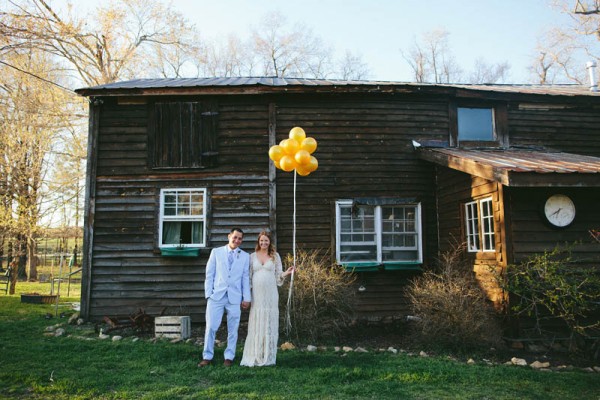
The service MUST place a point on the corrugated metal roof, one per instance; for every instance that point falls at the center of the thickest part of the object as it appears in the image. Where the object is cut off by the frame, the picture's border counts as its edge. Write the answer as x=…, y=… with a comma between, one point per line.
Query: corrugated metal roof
x=514, y=167
x=274, y=82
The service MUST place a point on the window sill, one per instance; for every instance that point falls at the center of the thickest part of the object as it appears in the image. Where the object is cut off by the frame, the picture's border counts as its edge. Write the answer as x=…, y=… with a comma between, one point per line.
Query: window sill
x=406, y=266
x=185, y=252
x=373, y=266
x=361, y=266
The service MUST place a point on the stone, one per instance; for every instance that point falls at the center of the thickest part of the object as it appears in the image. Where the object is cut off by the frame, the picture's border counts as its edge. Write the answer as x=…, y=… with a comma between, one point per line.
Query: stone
x=80, y=321
x=518, y=361
x=311, y=348
x=470, y=361
x=392, y=350
x=59, y=332
x=361, y=350
x=116, y=338
x=73, y=318
x=537, y=364
x=103, y=336
x=337, y=349
x=346, y=349
x=287, y=346
x=423, y=354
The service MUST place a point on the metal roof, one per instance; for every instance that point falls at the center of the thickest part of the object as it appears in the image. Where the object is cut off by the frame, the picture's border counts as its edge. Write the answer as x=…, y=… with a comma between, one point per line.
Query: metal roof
x=520, y=167
x=149, y=86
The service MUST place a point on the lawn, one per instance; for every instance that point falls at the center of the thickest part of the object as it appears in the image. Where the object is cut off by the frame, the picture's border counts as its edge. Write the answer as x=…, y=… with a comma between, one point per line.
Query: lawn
x=78, y=365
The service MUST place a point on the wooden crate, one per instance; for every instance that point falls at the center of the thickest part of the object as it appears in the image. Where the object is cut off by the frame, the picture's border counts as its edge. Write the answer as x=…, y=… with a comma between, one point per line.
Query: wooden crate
x=172, y=327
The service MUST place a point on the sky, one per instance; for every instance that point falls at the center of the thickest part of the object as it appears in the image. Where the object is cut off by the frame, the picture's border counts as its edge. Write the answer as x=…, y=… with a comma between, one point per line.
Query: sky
x=378, y=30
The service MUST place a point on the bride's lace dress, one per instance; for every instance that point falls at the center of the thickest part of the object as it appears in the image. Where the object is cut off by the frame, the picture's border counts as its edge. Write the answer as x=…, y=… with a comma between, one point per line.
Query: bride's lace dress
x=260, y=348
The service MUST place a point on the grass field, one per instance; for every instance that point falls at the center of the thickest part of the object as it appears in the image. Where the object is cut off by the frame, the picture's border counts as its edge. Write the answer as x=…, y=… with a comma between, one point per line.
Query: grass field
x=78, y=365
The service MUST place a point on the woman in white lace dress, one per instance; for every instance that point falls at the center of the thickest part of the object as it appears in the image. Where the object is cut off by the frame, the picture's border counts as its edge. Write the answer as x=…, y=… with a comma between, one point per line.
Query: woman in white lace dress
x=266, y=273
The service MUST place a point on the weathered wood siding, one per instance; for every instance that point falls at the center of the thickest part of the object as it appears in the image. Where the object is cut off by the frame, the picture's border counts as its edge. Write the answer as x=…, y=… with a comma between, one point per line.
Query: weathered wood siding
x=127, y=270
x=364, y=150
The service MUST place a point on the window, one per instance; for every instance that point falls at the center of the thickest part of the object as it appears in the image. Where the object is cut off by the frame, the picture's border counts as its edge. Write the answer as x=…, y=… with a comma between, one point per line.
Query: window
x=379, y=234
x=183, y=135
x=476, y=124
x=479, y=222
x=182, y=218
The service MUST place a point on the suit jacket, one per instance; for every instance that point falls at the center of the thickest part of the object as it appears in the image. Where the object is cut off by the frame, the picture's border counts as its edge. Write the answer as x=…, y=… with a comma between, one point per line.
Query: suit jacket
x=220, y=280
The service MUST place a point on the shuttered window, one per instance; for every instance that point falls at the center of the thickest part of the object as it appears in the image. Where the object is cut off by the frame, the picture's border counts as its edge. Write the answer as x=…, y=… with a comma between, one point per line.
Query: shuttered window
x=183, y=135
x=479, y=224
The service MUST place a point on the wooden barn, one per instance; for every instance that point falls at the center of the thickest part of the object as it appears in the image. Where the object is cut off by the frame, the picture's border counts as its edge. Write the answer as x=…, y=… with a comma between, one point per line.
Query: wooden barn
x=405, y=172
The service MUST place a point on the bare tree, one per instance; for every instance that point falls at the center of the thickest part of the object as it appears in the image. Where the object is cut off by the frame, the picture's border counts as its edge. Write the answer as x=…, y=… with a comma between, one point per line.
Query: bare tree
x=292, y=52
x=352, y=67
x=431, y=59
x=489, y=73
x=563, y=50
x=120, y=40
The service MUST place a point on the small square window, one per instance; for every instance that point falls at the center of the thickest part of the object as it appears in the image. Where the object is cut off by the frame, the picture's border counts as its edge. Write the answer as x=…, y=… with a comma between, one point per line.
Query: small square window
x=476, y=124
x=182, y=218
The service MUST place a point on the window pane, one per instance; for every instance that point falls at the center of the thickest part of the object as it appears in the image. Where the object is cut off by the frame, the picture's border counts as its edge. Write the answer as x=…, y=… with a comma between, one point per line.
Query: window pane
x=475, y=124
x=182, y=217
x=472, y=226
x=357, y=234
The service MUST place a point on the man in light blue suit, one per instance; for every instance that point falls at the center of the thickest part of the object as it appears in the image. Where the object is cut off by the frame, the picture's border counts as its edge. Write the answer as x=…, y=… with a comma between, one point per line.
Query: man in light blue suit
x=227, y=285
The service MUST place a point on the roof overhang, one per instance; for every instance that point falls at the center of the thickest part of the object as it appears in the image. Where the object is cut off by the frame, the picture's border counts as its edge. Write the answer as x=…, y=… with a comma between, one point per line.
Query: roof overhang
x=519, y=168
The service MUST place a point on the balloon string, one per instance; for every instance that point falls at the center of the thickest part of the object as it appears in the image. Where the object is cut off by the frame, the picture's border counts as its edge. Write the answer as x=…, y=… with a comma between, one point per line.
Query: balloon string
x=288, y=318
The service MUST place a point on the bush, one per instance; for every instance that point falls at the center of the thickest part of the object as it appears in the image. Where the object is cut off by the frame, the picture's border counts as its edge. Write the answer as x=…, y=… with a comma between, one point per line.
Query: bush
x=551, y=286
x=451, y=309
x=322, y=301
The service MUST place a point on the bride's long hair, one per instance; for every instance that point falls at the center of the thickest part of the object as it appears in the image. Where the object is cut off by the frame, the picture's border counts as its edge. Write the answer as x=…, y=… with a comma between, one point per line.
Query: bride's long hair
x=271, y=248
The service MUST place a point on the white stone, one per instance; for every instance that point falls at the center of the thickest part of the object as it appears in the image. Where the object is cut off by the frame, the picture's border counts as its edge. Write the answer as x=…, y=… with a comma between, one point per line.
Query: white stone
x=337, y=349
x=135, y=339
x=423, y=354
x=518, y=361
x=470, y=361
x=537, y=364
x=361, y=350
x=59, y=332
x=347, y=349
x=116, y=338
x=311, y=348
x=597, y=369
x=392, y=350
x=103, y=336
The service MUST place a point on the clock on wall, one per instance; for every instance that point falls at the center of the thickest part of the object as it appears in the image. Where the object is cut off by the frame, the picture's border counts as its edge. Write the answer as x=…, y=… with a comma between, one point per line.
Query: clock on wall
x=559, y=210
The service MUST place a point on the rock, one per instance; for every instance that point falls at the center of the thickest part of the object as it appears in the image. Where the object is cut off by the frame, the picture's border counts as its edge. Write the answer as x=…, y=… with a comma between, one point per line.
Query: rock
x=361, y=350
x=588, y=369
x=392, y=350
x=346, y=349
x=116, y=338
x=59, y=332
x=423, y=354
x=80, y=321
x=470, y=361
x=311, y=348
x=597, y=369
x=73, y=318
x=518, y=361
x=103, y=336
x=337, y=349
x=176, y=340
x=537, y=364
x=135, y=339
x=287, y=346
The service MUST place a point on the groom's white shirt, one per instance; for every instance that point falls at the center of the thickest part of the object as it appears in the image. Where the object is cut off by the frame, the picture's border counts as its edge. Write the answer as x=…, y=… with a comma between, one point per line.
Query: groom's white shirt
x=221, y=280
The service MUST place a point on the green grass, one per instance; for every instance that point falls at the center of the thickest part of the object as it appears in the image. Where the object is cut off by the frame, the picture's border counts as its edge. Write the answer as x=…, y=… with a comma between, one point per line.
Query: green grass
x=34, y=366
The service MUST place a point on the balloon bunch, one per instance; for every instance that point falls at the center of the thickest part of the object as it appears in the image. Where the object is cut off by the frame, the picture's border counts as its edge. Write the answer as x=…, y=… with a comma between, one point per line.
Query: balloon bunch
x=295, y=153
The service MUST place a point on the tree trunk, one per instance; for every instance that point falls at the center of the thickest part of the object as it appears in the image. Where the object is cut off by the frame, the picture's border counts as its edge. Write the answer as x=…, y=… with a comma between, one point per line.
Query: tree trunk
x=31, y=260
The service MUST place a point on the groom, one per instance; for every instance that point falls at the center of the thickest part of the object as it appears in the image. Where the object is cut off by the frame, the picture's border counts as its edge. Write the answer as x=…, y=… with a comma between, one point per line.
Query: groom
x=227, y=285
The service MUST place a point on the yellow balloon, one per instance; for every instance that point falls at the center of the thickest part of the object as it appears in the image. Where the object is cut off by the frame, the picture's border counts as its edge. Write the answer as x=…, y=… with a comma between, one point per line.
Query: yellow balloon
x=297, y=134
x=309, y=144
x=302, y=157
x=290, y=146
x=277, y=164
x=276, y=152
x=302, y=170
x=312, y=165
x=287, y=163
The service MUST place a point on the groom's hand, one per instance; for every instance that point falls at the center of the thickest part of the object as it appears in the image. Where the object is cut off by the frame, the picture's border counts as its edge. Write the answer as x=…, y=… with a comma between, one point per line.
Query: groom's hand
x=245, y=305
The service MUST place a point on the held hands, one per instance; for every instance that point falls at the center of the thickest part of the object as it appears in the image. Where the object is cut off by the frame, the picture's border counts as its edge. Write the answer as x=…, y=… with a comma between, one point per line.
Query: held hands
x=245, y=305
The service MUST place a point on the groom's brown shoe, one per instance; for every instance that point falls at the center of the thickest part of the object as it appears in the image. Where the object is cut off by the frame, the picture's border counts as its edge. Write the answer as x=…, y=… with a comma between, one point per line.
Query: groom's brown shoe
x=228, y=363
x=204, y=363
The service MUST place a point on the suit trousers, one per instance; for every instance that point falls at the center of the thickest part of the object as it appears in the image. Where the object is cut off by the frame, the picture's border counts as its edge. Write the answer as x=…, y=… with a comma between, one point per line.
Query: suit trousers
x=214, y=316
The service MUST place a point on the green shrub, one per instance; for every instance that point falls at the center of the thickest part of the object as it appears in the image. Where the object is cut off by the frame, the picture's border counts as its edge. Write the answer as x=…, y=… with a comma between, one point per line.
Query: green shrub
x=322, y=301
x=451, y=310
x=552, y=286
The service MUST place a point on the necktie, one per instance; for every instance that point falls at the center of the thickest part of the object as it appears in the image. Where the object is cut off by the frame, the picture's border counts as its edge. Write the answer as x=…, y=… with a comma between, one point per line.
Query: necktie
x=230, y=258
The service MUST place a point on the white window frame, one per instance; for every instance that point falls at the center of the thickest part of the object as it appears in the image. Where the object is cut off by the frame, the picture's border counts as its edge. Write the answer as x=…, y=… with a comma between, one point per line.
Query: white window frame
x=379, y=234
x=480, y=229
x=184, y=218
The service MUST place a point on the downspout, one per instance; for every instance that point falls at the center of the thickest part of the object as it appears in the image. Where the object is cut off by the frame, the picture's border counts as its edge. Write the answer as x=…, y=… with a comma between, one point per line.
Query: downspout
x=591, y=67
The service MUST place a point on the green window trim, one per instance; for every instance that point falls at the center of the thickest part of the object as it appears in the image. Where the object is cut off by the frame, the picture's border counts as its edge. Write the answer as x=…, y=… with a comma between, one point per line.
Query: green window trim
x=175, y=252
x=374, y=266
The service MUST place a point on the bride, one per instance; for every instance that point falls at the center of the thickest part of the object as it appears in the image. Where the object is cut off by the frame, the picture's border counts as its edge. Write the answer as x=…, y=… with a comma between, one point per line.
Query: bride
x=266, y=273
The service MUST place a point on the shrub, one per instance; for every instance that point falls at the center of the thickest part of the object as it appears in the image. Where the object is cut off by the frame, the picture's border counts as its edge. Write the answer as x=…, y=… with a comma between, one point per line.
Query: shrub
x=552, y=286
x=451, y=309
x=322, y=301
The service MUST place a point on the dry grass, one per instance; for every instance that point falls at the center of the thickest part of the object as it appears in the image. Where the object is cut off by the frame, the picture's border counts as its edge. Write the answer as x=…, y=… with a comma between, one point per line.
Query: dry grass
x=452, y=309
x=322, y=301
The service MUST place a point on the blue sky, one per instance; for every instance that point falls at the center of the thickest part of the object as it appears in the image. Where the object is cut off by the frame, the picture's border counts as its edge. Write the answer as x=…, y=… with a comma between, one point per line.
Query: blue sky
x=494, y=30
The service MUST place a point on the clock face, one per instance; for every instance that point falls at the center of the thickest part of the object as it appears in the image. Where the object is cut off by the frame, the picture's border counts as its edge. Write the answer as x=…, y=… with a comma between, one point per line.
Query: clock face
x=559, y=210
